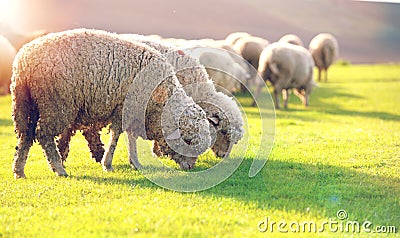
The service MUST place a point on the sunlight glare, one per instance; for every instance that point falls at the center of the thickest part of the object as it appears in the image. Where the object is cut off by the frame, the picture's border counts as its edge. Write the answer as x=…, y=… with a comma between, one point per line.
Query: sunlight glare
x=8, y=10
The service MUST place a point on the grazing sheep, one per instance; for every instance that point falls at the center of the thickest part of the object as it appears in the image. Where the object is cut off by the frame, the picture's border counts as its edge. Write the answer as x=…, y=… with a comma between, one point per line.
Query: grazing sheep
x=222, y=112
x=250, y=49
x=292, y=39
x=223, y=62
x=324, y=49
x=81, y=77
x=7, y=54
x=235, y=36
x=287, y=66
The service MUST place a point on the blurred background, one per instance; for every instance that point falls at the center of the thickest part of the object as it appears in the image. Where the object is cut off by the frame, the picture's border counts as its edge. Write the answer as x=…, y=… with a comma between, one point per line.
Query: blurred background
x=368, y=32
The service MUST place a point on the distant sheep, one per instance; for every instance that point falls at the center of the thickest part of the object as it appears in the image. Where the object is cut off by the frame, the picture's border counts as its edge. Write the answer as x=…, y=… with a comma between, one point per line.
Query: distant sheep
x=224, y=62
x=292, y=39
x=250, y=49
x=324, y=49
x=7, y=54
x=78, y=78
x=222, y=112
x=287, y=66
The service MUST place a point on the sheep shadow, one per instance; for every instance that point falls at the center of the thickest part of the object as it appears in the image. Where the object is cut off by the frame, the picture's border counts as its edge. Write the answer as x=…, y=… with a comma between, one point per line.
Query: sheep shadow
x=291, y=186
x=319, y=103
x=322, y=105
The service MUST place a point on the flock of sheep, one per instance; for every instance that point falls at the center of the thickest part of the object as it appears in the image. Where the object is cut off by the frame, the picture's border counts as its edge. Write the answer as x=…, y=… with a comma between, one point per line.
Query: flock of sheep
x=86, y=79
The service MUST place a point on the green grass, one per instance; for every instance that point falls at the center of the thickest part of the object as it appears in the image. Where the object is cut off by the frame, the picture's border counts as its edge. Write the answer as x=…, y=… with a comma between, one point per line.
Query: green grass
x=343, y=152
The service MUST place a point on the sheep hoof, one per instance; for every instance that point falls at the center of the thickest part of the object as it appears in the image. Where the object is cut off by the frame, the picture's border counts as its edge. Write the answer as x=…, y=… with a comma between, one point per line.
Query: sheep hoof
x=136, y=167
x=20, y=175
x=108, y=168
x=61, y=173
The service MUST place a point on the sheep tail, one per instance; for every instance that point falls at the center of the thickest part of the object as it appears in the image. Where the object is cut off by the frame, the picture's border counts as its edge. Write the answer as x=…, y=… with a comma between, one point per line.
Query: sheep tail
x=24, y=111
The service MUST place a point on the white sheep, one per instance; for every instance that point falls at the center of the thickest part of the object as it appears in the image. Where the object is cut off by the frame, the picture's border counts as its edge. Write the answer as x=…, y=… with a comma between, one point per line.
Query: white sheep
x=292, y=39
x=81, y=77
x=250, y=48
x=287, y=66
x=219, y=62
x=324, y=49
x=222, y=112
x=7, y=54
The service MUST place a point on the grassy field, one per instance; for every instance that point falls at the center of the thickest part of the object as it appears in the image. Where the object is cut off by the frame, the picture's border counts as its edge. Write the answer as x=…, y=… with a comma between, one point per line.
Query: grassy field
x=341, y=153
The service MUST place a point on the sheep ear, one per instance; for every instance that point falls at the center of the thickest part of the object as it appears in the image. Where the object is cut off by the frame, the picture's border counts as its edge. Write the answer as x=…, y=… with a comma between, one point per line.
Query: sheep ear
x=174, y=135
x=213, y=120
x=274, y=68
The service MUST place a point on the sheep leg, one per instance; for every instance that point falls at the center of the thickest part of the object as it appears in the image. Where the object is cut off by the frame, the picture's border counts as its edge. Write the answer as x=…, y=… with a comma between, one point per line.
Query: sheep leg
x=95, y=144
x=285, y=94
x=319, y=74
x=106, y=162
x=63, y=144
x=303, y=95
x=132, y=153
x=326, y=75
x=20, y=157
x=52, y=155
x=157, y=149
x=276, y=95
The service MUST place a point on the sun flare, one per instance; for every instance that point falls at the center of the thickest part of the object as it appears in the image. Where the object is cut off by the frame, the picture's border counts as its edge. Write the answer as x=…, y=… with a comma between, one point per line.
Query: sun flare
x=8, y=9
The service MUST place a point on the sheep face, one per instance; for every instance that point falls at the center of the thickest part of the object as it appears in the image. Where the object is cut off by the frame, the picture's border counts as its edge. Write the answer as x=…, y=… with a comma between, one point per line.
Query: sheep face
x=222, y=146
x=189, y=140
x=227, y=128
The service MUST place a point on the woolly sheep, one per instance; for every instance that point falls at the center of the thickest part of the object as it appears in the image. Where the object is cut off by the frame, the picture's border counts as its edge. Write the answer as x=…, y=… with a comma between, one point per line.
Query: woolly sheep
x=292, y=39
x=7, y=54
x=227, y=62
x=287, y=66
x=222, y=112
x=250, y=49
x=324, y=49
x=223, y=61
x=75, y=78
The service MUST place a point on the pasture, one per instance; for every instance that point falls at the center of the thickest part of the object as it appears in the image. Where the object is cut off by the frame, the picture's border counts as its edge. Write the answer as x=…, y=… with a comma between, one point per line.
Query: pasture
x=341, y=153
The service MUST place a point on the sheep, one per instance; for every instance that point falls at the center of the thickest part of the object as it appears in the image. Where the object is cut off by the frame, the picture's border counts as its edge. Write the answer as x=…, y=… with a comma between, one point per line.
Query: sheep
x=324, y=49
x=7, y=54
x=250, y=49
x=235, y=36
x=224, y=60
x=292, y=39
x=287, y=66
x=227, y=61
x=218, y=64
x=222, y=112
x=77, y=78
